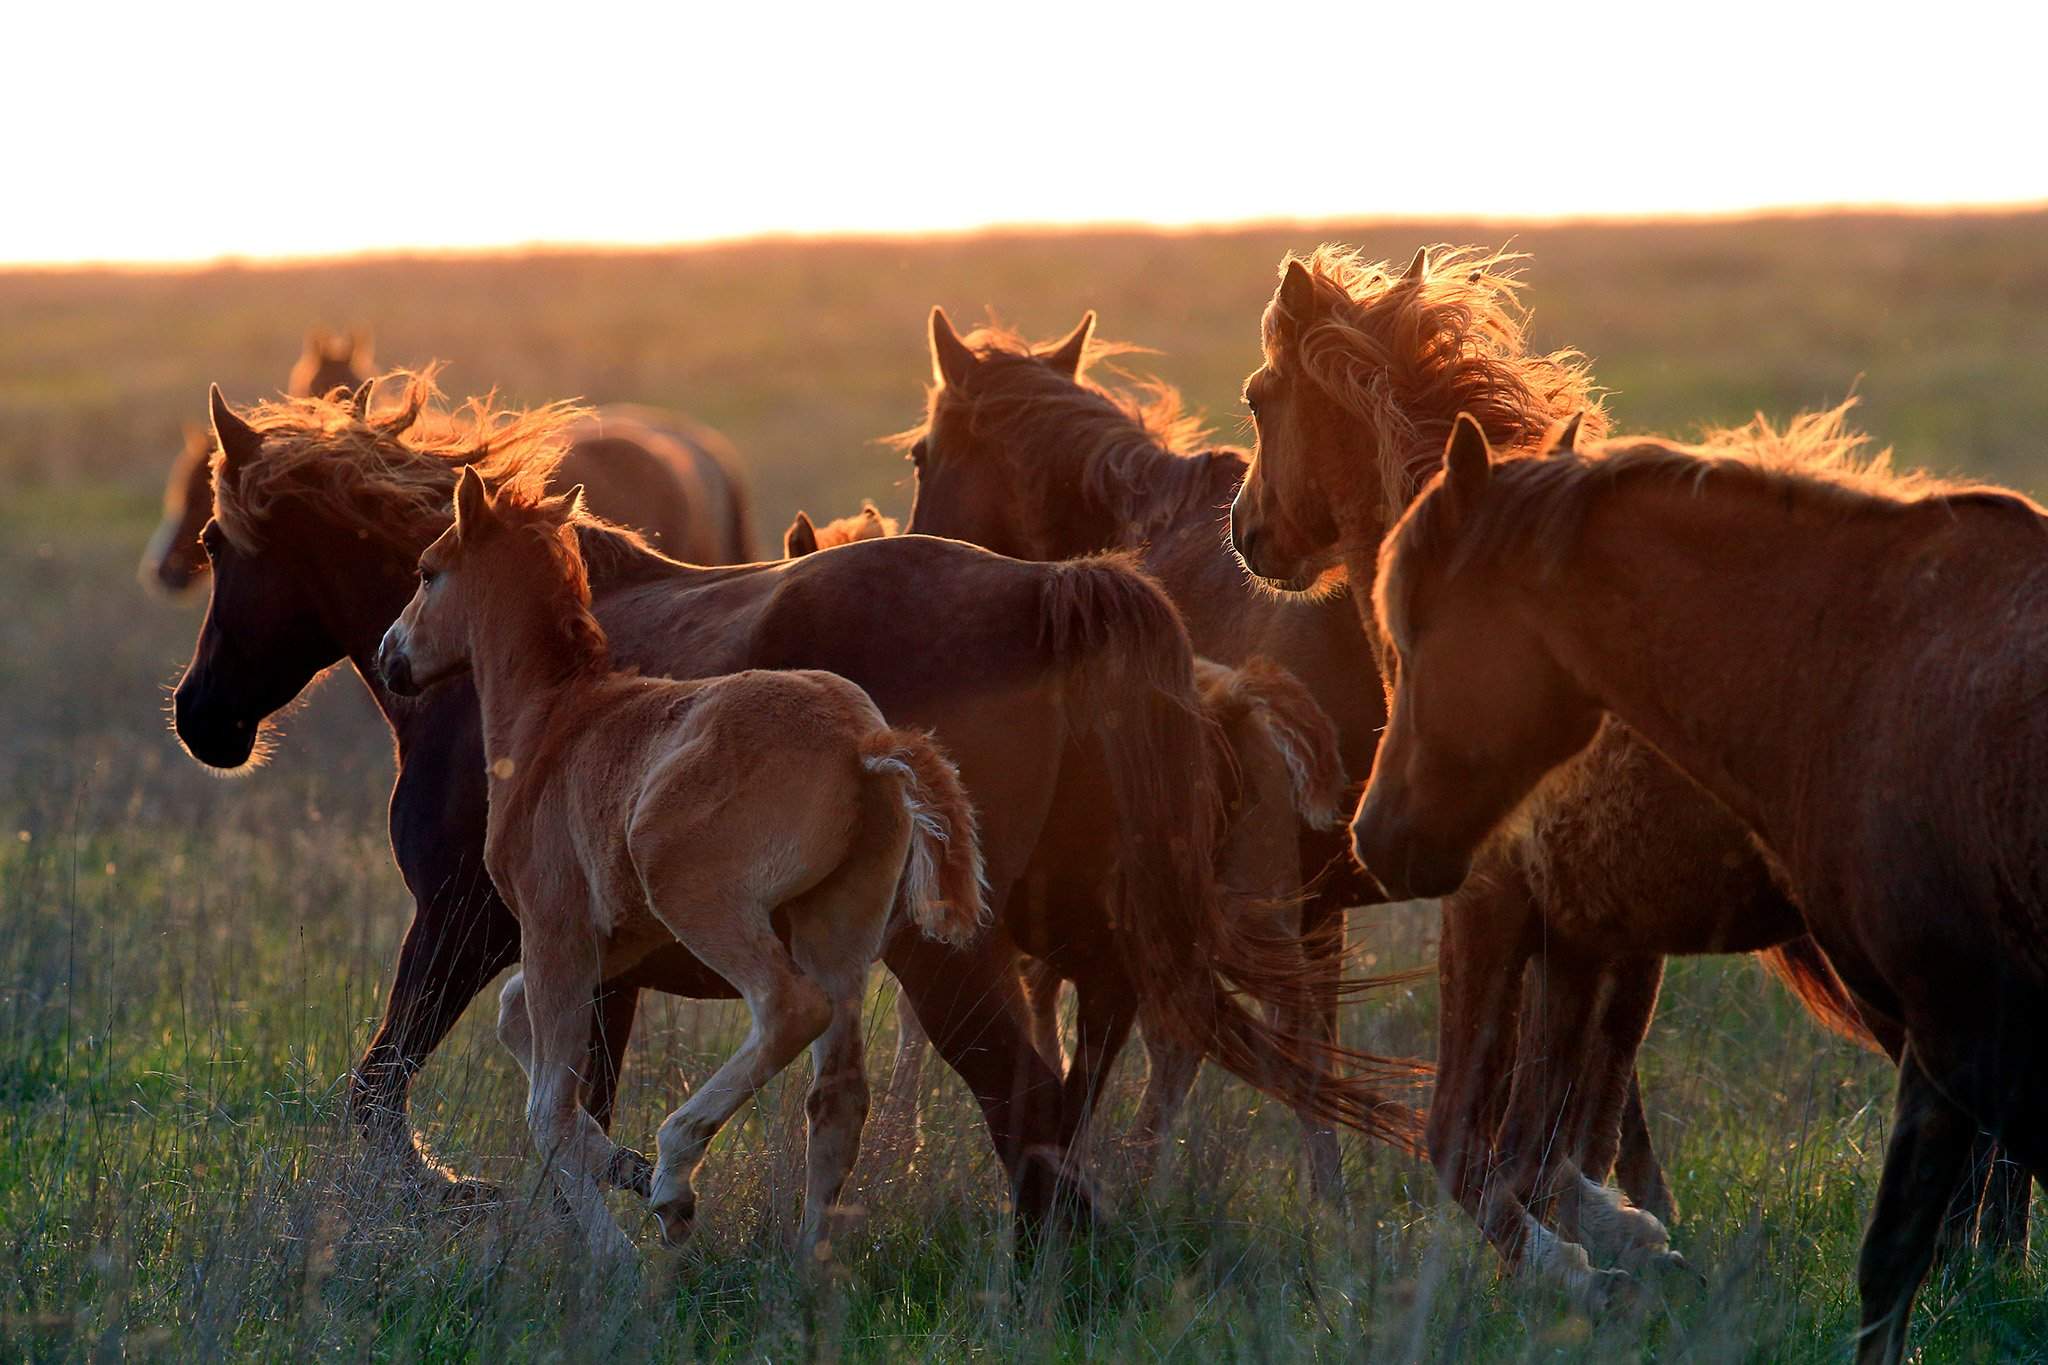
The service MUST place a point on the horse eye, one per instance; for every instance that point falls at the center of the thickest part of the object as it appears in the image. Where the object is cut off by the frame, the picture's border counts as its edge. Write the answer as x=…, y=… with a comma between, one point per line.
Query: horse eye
x=426, y=577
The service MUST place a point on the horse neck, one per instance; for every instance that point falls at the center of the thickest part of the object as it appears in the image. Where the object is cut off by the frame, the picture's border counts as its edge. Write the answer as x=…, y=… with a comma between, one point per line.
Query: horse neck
x=523, y=671
x=1726, y=630
x=1078, y=515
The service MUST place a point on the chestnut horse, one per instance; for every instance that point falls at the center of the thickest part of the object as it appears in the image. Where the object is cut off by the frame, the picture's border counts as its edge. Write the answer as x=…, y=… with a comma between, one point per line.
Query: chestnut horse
x=1825, y=604
x=674, y=480
x=717, y=808
x=1064, y=692
x=1021, y=452
x=1276, y=756
x=1365, y=369
x=172, y=561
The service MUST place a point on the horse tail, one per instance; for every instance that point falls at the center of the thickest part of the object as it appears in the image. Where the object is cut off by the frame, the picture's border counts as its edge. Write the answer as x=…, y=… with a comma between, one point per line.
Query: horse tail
x=944, y=887
x=1301, y=732
x=1193, y=962
x=1807, y=973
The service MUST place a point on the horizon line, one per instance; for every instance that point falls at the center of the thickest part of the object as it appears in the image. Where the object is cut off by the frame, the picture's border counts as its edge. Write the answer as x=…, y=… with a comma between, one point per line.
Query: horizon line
x=543, y=247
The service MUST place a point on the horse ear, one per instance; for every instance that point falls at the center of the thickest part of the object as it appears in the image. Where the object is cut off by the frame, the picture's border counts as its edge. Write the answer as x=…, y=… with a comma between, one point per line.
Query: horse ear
x=575, y=505
x=952, y=362
x=359, y=401
x=362, y=348
x=1566, y=442
x=472, y=504
x=801, y=538
x=1297, y=295
x=1418, y=267
x=238, y=441
x=1068, y=355
x=1468, y=464
x=316, y=341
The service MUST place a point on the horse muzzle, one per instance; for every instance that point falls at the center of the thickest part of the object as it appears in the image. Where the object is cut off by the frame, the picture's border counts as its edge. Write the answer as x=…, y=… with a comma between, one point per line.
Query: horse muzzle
x=394, y=666
x=225, y=744
x=1406, y=863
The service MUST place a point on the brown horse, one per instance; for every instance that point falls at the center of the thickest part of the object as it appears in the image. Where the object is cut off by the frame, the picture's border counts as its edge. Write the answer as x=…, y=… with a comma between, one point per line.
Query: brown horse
x=674, y=480
x=1064, y=692
x=720, y=807
x=172, y=561
x=1366, y=367
x=1825, y=603
x=1276, y=755
x=1020, y=451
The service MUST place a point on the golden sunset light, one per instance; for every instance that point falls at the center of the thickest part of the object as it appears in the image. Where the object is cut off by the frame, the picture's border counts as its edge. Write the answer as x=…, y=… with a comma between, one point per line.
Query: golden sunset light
x=264, y=131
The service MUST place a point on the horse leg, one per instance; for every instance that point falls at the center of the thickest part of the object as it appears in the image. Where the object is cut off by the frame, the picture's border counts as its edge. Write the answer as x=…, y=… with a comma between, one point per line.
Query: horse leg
x=617, y=1007
x=1625, y=999
x=560, y=985
x=1480, y=964
x=1169, y=1076
x=451, y=950
x=1042, y=983
x=835, y=932
x=789, y=1011
x=628, y=1169
x=971, y=1004
x=1638, y=1168
x=1928, y=1155
x=1104, y=1010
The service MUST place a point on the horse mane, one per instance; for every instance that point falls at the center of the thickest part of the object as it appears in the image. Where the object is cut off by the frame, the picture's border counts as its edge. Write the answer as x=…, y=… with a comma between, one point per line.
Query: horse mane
x=1110, y=446
x=390, y=475
x=1815, y=459
x=553, y=527
x=1405, y=353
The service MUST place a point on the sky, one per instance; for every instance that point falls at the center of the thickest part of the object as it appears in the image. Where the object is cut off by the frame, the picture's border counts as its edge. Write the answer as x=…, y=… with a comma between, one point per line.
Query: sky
x=192, y=133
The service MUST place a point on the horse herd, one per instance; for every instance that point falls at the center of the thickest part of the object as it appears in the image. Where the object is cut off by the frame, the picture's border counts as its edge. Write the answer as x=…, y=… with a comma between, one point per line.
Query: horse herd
x=1094, y=720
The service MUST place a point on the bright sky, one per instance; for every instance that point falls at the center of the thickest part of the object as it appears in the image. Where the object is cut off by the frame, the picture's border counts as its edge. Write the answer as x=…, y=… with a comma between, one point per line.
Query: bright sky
x=174, y=132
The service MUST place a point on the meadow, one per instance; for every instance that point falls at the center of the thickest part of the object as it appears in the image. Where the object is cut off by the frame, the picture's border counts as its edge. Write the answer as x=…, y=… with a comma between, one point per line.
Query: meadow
x=188, y=966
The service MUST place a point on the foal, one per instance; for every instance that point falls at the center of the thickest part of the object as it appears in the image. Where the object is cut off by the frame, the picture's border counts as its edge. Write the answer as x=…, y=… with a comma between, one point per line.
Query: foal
x=627, y=813
x=1823, y=610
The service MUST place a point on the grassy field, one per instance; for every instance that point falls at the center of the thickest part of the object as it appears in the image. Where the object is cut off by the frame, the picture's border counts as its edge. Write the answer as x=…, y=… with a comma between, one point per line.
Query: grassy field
x=188, y=966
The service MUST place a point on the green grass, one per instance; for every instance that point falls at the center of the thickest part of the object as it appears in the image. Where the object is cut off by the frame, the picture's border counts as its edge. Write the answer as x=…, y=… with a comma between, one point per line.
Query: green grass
x=188, y=966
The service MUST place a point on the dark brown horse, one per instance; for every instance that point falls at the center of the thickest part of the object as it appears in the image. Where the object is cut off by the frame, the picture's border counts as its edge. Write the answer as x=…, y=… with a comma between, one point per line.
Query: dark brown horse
x=1278, y=767
x=1021, y=452
x=1553, y=953
x=1064, y=693
x=172, y=561
x=1853, y=668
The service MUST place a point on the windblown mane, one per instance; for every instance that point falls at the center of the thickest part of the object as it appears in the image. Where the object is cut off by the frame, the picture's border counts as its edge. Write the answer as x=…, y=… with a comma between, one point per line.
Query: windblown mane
x=551, y=526
x=1407, y=354
x=1113, y=448
x=1815, y=458
x=389, y=475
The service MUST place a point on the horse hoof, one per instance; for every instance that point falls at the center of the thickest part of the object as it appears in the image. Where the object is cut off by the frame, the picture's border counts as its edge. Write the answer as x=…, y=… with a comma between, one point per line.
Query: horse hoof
x=630, y=1170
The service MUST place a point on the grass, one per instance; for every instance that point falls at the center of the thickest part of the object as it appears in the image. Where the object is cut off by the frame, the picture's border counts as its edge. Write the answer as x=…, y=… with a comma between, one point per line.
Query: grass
x=188, y=967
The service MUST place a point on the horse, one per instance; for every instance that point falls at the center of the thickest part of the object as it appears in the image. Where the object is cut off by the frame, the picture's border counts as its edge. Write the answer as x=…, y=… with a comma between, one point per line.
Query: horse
x=1365, y=368
x=672, y=479
x=1275, y=751
x=628, y=812
x=1022, y=452
x=172, y=562
x=1065, y=694
x=1915, y=837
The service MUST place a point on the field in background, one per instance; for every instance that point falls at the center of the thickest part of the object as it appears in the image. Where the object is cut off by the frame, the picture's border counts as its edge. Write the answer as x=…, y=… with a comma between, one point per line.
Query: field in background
x=188, y=966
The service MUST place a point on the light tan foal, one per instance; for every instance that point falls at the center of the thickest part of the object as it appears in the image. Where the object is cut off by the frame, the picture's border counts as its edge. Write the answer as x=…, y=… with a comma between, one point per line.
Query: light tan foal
x=628, y=812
